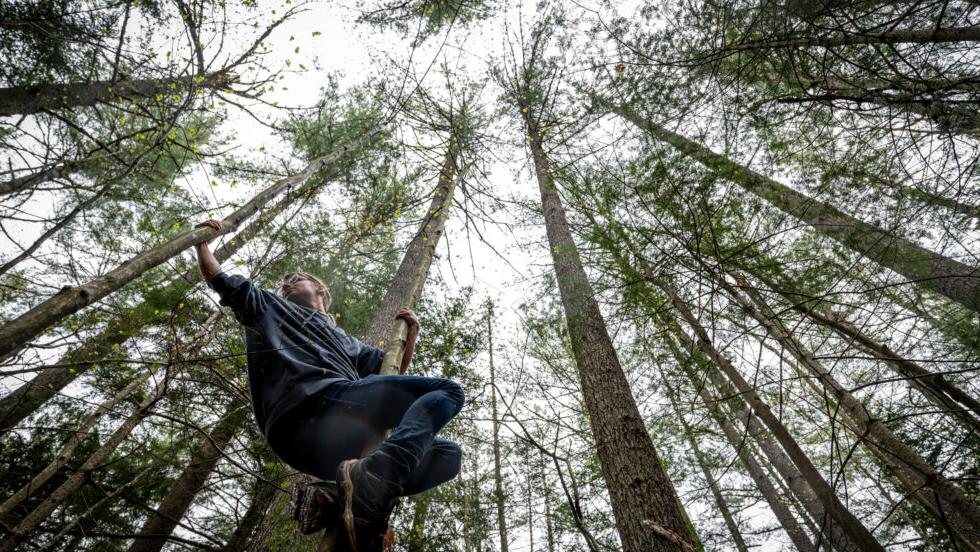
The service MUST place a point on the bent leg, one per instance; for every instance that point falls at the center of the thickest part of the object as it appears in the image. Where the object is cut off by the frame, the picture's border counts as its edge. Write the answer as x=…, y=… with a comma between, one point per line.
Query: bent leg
x=440, y=464
x=398, y=456
x=348, y=414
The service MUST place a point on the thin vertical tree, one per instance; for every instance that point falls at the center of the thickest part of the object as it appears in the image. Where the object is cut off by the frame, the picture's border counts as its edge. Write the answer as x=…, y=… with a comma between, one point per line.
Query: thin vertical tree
x=498, y=478
x=644, y=502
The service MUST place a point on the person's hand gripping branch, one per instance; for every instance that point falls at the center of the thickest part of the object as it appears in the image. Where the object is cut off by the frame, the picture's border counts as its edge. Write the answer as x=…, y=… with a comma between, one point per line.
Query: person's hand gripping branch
x=408, y=316
x=210, y=267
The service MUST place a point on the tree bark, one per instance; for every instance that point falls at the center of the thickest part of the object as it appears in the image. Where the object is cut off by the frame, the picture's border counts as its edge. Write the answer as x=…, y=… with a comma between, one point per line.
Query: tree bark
x=644, y=502
x=955, y=280
x=16, y=333
x=498, y=479
x=28, y=100
x=702, y=463
x=160, y=524
x=922, y=480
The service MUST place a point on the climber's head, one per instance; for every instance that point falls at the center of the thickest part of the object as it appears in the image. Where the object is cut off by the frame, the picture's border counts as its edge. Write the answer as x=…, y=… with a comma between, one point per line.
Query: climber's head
x=307, y=290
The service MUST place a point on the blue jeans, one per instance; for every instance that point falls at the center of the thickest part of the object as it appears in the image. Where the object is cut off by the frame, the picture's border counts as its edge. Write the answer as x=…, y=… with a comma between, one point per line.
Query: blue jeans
x=336, y=424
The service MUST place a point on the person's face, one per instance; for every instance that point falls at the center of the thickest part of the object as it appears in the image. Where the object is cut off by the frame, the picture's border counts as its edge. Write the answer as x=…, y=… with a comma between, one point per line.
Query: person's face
x=301, y=290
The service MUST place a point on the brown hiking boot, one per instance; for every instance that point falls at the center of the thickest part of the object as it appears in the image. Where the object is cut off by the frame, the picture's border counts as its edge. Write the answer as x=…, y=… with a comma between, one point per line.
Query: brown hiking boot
x=315, y=506
x=367, y=502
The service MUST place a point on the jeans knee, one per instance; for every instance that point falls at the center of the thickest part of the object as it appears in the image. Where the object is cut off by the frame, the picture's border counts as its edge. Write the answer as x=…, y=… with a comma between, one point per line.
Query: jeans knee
x=455, y=459
x=455, y=391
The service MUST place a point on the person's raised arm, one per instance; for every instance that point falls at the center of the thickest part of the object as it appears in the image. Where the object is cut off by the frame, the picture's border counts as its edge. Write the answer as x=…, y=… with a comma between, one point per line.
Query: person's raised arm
x=210, y=267
x=413, y=332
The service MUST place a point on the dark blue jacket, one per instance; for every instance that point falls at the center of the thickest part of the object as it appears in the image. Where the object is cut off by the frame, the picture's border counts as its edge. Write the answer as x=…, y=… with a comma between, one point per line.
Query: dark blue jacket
x=293, y=351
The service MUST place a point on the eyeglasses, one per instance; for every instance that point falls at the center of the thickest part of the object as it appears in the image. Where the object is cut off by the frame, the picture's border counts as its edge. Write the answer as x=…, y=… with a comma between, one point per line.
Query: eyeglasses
x=294, y=277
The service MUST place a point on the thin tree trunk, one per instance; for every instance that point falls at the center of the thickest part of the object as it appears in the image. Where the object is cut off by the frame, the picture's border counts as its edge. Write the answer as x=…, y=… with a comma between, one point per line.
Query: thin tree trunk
x=549, y=529
x=955, y=280
x=713, y=486
x=406, y=286
x=157, y=528
x=498, y=478
x=16, y=333
x=906, y=36
x=27, y=100
x=922, y=480
x=644, y=502
x=530, y=513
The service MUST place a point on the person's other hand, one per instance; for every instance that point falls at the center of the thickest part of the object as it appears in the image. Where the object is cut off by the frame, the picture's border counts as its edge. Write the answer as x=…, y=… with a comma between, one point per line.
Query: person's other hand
x=409, y=317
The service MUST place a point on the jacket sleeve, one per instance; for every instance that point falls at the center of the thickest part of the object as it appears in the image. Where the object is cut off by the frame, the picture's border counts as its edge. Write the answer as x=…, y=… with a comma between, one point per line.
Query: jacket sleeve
x=368, y=360
x=239, y=293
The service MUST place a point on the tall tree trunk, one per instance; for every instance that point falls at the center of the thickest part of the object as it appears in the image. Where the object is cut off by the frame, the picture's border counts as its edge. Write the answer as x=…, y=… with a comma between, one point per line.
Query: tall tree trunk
x=904, y=36
x=16, y=333
x=702, y=462
x=922, y=481
x=407, y=284
x=97, y=459
x=835, y=511
x=548, y=525
x=644, y=502
x=27, y=100
x=498, y=479
x=955, y=280
x=530, y=512
x=160, y=524
x=128, y=323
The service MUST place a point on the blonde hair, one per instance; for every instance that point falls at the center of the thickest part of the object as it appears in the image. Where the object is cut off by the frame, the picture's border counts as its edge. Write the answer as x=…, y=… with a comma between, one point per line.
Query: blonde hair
x=324, y=293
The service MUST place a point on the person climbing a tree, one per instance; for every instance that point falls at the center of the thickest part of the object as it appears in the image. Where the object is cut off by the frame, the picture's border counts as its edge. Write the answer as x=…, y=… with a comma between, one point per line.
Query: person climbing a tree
x=318, y=399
